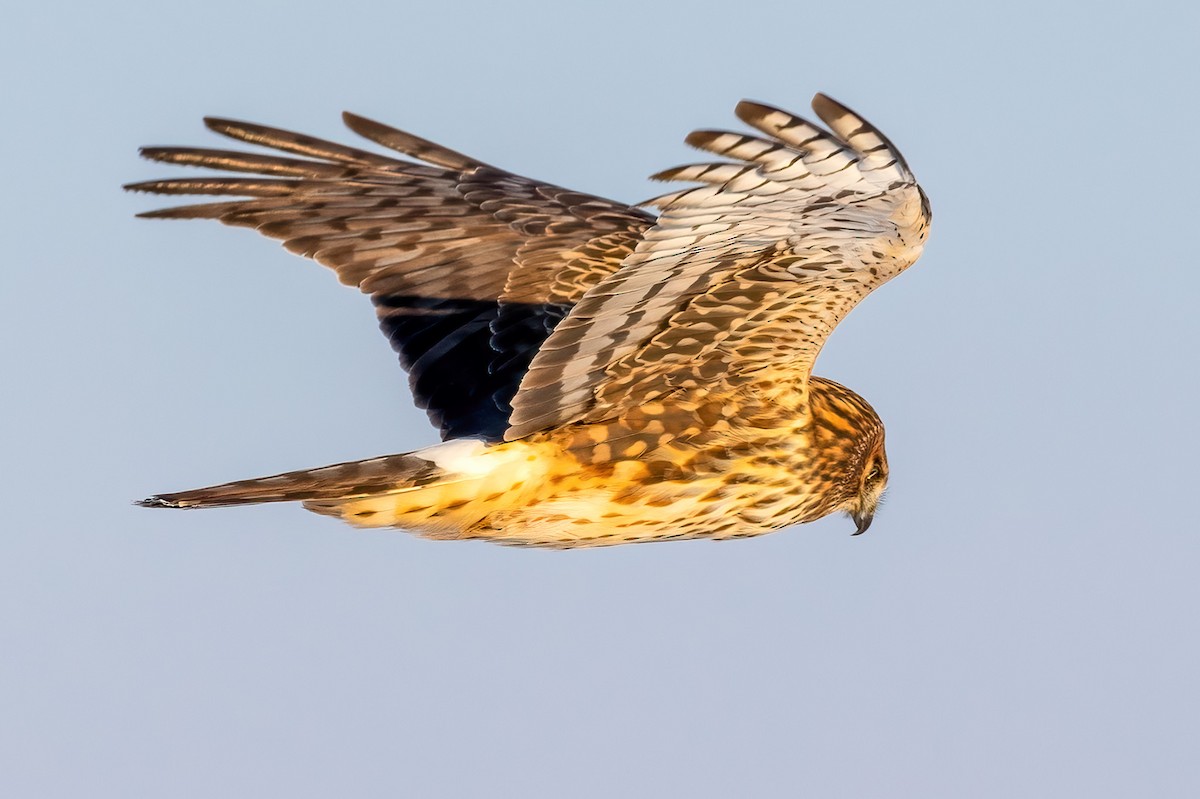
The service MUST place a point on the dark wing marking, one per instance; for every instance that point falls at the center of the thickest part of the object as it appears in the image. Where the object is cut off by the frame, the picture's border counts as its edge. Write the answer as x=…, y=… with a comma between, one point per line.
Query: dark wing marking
x=470, y=267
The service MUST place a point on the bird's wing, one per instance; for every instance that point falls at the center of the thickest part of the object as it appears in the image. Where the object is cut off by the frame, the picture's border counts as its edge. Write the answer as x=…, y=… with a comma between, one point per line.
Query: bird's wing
x=741, y=278
x=469, y=267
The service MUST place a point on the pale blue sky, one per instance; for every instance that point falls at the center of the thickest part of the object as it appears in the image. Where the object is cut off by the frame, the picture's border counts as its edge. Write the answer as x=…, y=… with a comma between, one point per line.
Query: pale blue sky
x=1020, y=621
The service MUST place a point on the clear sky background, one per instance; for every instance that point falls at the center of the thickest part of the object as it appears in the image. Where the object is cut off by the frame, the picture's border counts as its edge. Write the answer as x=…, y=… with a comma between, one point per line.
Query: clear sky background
x=1020, y=621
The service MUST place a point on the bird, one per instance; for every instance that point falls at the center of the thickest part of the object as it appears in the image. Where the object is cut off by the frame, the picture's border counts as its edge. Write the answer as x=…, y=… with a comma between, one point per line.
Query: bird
x=600, y=374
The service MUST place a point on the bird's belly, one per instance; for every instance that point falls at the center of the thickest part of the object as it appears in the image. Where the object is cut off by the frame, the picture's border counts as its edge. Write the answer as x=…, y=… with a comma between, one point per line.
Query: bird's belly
x=629, y=505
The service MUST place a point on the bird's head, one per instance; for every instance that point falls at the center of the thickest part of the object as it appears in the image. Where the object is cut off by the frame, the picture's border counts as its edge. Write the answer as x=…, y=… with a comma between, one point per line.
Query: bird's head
x=872, y=478
x=848, y=436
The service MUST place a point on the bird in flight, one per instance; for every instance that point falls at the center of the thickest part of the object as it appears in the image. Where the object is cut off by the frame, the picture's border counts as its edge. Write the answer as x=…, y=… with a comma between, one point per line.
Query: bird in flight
x=600, y=375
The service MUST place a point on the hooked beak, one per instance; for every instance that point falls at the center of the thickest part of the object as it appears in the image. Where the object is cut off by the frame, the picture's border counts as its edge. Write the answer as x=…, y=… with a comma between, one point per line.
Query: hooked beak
x=863, y=520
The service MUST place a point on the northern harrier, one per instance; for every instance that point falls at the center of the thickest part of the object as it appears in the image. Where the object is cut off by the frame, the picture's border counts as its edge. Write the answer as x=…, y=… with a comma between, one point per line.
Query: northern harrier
x=600, y=375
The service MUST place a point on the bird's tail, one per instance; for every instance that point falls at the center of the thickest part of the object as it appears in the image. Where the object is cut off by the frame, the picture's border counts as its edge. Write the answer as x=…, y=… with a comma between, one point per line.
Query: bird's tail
x=445, y=486
x=327, y=482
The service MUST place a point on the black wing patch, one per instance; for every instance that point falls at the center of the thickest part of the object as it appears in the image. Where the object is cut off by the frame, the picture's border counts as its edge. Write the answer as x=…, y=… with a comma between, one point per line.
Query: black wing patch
x=466, y=358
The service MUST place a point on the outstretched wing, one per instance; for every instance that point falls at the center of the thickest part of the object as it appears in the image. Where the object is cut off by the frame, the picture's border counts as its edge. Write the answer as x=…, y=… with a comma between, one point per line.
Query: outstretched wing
x=741, y=278
x=470, y=267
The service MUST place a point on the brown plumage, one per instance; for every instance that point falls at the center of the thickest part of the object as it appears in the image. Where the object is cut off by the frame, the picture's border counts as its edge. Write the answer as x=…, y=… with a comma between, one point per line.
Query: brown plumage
x=602, y=376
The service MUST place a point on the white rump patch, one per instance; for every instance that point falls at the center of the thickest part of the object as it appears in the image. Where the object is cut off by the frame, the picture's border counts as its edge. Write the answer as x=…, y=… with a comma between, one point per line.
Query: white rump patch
x=461, y=456
x=469, y=457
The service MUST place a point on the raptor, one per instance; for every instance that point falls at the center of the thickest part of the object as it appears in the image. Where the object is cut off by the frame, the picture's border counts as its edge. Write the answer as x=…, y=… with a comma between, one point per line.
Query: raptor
x=600, y=375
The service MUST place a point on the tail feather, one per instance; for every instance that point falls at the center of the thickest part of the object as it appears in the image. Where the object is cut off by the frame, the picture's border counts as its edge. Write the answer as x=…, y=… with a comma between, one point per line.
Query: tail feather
x=442, y=491
x=340, y=481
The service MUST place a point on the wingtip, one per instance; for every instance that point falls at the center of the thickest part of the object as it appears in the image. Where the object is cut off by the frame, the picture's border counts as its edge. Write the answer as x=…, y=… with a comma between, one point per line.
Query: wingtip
x=750, y=110
x=157, y=502
x=217, y=123
x=825, y=106
x=822, y=97
x=692, y=139
x=159, y=154
x=363, y=126
x=665, y=175
x=233, y=128
x=703, y=138
x=141, y=186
